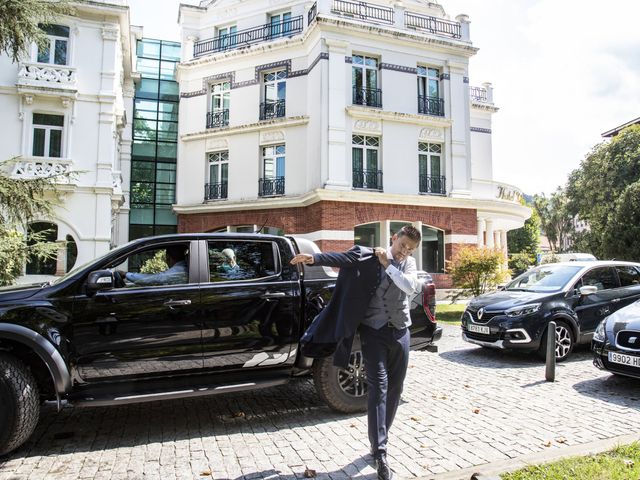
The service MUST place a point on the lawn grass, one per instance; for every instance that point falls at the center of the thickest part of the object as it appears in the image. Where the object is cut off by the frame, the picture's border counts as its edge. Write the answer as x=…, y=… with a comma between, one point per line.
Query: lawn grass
x=449, y=313
x=621, y=463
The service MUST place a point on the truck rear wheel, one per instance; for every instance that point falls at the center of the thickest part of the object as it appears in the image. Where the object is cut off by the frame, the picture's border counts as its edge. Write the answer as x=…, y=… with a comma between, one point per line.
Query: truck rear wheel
x=19, y=403
x=344, y=391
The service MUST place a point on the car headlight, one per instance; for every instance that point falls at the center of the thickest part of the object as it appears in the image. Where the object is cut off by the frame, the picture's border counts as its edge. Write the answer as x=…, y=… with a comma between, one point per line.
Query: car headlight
x=523, y=310
x=599, y=335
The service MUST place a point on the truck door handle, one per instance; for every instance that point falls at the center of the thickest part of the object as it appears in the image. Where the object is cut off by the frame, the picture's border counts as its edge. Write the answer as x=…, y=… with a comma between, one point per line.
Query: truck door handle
x=271, y=296
x=176, y=303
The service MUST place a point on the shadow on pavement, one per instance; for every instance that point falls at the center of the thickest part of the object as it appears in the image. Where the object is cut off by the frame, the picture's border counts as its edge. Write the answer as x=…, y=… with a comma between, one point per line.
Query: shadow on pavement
x=619, y=390
x=95, y=429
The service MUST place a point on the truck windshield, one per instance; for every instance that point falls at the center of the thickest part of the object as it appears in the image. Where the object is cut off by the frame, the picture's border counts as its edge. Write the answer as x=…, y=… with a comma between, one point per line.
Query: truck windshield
x=546, y=278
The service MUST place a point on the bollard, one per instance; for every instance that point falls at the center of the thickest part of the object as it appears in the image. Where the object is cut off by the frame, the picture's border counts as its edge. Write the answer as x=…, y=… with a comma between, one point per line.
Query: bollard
x=550, y=372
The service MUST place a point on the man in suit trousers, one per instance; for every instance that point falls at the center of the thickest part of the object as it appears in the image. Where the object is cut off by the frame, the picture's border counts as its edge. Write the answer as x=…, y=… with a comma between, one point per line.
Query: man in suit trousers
x=372, y=293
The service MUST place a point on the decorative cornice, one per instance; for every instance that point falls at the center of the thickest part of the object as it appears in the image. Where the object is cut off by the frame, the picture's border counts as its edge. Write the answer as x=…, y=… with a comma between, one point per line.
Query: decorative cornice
x=480, y=130
x=398, y=68
x=411, y=118
x=252, y=127
x=299, y=73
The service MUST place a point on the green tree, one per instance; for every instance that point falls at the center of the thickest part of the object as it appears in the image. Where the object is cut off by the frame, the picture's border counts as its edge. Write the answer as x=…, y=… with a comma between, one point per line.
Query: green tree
x=20, y=20
x=604, y=191
x=556, y=219
x=527, y=238
x=477, y=270
x=21, y=202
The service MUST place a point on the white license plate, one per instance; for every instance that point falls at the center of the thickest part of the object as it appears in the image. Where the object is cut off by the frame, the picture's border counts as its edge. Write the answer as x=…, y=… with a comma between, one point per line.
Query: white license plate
x=479, y=329
x=623, y=359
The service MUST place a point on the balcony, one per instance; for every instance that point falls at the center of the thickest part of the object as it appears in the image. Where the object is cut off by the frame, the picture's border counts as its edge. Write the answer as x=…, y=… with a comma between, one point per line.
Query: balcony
x=272, y=109
x=215, y=191
x=43, y=167
x=311, y=14
x=430, y=106
x=363, y=11
x=250, y=36
x=271, y=187
x=367, y=179
x=218, y=119
x=478, y=94
x=41, y=77
x=434, y=185
x=434, y=25
x=370, y=97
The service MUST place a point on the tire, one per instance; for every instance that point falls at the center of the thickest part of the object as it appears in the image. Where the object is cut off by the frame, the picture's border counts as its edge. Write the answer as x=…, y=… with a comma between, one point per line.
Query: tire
x=19, y=403
x=344, y=391
x=564, y=342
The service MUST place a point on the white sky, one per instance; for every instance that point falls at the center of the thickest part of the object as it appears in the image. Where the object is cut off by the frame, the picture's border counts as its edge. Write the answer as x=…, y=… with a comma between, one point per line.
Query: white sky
x=563, y=72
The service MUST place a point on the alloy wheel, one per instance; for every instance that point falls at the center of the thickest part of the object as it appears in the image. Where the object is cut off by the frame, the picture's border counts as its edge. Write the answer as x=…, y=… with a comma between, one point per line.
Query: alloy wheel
x=563, y=341
x=353, y=380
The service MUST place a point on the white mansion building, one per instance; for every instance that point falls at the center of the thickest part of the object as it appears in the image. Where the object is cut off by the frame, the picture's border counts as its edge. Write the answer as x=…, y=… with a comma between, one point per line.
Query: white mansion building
x=65, y=108
x=338, y=121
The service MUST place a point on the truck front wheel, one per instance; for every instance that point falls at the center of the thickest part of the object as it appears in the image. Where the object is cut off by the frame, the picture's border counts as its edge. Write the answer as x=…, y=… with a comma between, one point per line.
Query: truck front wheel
x=19, y=403
x=343, y=390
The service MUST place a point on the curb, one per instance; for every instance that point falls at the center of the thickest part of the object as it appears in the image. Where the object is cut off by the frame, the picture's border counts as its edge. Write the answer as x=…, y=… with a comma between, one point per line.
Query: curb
x=491, y=471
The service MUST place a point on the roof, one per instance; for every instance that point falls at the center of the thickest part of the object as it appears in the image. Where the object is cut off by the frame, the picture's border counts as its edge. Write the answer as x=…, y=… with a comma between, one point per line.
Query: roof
x=614, y=131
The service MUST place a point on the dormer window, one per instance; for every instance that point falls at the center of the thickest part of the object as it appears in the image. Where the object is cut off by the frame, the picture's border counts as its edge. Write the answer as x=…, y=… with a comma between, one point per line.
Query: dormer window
x=56, y=47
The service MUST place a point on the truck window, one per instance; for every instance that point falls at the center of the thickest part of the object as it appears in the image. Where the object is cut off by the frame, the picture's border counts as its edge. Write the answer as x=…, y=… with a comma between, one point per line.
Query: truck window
x=240, y=260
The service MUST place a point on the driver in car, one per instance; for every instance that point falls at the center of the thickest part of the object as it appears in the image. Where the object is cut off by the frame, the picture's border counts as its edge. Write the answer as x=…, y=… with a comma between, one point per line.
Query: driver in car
x=176, y=273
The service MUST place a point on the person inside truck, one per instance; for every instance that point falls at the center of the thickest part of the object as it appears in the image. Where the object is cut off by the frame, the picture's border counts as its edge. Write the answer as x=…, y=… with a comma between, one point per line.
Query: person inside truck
x=175, y=274
x=229, y=263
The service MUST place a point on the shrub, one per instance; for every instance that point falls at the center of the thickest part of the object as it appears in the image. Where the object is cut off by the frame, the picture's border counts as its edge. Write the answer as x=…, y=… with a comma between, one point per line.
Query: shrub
x=520, y=262
x=155, y=264
x=477, y=270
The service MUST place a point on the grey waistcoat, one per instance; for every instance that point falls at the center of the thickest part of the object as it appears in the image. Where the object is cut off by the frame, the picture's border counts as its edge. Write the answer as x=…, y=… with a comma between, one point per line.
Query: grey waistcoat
x=388, y=305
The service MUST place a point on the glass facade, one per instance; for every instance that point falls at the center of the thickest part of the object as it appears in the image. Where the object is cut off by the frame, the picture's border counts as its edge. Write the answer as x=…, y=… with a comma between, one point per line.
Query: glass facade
x=155, y=140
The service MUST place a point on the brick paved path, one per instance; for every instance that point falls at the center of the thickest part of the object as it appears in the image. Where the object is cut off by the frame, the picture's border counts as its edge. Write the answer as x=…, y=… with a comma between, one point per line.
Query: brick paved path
x=461, y=407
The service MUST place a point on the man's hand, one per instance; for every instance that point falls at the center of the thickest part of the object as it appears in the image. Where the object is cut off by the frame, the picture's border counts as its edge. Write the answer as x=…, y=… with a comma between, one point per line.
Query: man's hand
x=381, y=253
x=302, y=258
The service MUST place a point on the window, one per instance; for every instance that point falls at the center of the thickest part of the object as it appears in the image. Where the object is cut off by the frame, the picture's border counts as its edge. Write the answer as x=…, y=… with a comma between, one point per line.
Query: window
x=364, y=160
x=55, y=49
x=219, y=115
x=238, y=260
x=41, y=232
x=47, y=135
x=273, y=159
x=280, y=24
x=164, y=265
x=218, y=175
x=364, y=75
x=227, y=37
x=628, y=275
x=430, y=178
x=432, y=250
x=274, y=94
x=429, y=101
x=603, y=278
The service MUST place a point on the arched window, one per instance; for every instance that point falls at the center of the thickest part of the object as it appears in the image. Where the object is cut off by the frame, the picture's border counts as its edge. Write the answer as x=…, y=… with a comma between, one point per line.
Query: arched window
x=367, y=235
x=41, y=231
x=72, y=252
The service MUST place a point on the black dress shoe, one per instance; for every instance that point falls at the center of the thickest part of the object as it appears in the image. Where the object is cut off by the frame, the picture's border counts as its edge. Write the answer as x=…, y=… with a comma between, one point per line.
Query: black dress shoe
x=382, y=466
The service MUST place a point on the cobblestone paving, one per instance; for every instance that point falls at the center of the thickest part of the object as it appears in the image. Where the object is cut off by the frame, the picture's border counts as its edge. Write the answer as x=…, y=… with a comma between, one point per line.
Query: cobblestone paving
x=462, y=407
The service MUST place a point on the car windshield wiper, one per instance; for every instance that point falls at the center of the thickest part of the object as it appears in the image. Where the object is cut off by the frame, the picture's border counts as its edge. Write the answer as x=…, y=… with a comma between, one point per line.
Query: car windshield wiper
x=517, y=289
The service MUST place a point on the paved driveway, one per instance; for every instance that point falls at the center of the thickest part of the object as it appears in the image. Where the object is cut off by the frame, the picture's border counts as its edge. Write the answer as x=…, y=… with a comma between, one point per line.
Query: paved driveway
x=461, y=407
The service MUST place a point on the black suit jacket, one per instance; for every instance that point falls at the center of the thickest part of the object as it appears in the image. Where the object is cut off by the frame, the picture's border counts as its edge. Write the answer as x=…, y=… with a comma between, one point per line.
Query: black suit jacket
x=334, y=328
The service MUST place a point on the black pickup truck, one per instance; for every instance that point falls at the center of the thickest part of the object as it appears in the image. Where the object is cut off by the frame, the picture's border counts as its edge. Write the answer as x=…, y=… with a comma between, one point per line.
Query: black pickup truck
x=95, y=337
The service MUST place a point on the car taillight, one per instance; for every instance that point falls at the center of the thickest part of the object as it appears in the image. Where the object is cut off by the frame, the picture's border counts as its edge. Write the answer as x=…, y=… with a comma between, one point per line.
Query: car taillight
x=428, y=297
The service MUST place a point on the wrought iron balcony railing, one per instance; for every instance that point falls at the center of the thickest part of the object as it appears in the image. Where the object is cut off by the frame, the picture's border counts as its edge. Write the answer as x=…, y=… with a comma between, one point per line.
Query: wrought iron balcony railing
x=367, y=179
x=269, y=187
x=478, y=94
x=243, y=38
x=432, y=184
x=363, y=11
x=431, y=105
x=371, y=97
x=215, y=191
x=218, y=119
x=434, y=25
x=311, y=14
x=271, y=109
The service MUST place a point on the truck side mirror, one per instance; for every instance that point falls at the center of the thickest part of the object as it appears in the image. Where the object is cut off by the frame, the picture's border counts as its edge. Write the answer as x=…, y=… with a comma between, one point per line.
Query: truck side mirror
x=588, y=290
x=99, y=280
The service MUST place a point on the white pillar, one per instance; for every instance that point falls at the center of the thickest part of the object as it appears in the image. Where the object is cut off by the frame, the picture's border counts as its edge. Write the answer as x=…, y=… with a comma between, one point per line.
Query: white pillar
x=489, y=224
x=385, y=235
x=398, y=13
x=496, y=239
x=417, y=253
x=503, y=241
x=480, y=232
x=465, y=32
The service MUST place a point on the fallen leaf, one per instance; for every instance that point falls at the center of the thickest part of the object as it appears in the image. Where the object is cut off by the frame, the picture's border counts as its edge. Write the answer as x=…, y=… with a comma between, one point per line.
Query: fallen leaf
x=238, y=415
x=411, y=365
x=206, y=473
x=561, y=440
x=424, y=445
x=308, y=473
x=476, y=410
x=353, y=425
x=467, y=386
x=416, y=418
x=547, y=443
x=443, y=397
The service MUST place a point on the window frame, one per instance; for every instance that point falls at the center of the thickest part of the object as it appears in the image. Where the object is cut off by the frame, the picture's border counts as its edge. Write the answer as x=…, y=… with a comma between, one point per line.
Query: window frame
x=35, y=53
x=425, y=80
x=226, y=36
x=47, y=135
x=277, y=262
x=219, y=162
x=275, y=156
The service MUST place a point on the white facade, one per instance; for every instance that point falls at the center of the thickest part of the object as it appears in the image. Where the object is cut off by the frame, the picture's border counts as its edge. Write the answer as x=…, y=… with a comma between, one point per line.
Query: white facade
x=84, y=86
